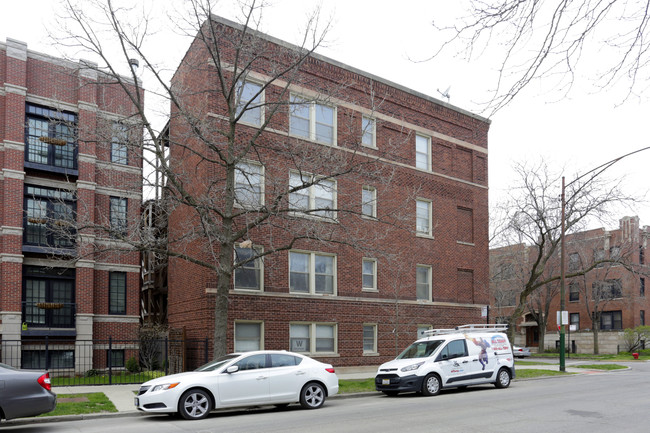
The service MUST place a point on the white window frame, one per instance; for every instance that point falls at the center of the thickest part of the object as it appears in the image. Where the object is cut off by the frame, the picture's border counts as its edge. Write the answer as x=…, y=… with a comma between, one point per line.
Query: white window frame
x=421, y=329
x=429, y=282
x=429, y=229
x=311, y=193
x=312, y=328
x=246, y=174
x=373, y=350
x=254, y=107
x=368, y=130
x=421, y=140
x=311, y=273
x=297, y=101
x=248, y=322
x=373, y=262
x=259, y=266
x=372, y=202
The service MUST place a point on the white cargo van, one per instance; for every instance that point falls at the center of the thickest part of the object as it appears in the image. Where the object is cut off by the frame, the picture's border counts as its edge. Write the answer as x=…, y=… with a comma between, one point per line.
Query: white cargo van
x=446, y=358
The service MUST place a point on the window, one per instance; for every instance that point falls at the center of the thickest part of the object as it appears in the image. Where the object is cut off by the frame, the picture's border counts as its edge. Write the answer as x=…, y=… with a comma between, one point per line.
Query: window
x=369, y=274
x=422, y=330
x=574, y=319
x=455, y=349
x=642, y=317
x=248, y=336
x=119, y=143
x=574, y=291
x=249, y=191
x=615, y=253
x=369, y=202
x=118, y=215
x=368, y=132
x=249, y=102
x=642, y=287
x=607, y=290
x=423, y=152
x=48, y=297
x=319, y=196
x=284, y=360
x=49, y=217
x=115, y=358
x=50, y=138
x=574, y=262
x=117, y=293
x=423, y=217
x=369, y=338
x=312, y=273
x=599, y=256
x=641, y=255
x=611, y=320
x=248, y=275
x=313, y=338
x=253, y=362
x=423, y=283
x=465, y=225
x=36, y=359
x=312, y=120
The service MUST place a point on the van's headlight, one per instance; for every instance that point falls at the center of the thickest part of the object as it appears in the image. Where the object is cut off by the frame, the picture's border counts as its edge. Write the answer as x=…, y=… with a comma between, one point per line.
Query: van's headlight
x=412, y=367
x=165, y=386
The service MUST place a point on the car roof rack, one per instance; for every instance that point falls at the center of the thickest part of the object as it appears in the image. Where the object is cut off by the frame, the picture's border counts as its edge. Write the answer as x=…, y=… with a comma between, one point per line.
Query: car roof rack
x=496, y=327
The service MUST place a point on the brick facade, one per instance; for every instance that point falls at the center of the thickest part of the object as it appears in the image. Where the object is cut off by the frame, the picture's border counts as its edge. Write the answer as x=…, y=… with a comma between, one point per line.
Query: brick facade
x=43, y=294
x=454, y=184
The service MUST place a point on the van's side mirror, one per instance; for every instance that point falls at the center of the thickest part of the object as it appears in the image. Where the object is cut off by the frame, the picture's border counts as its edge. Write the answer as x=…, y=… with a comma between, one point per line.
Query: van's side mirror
x=232, y=369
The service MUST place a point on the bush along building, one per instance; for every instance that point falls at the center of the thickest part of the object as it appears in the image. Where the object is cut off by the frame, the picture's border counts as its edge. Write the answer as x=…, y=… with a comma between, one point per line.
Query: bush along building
x=606, y=273
x=315, y=207
x=70, y=186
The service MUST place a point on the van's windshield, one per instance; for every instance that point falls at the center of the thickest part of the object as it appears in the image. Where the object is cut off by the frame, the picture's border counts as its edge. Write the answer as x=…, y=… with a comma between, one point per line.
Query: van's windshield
x=420, y=349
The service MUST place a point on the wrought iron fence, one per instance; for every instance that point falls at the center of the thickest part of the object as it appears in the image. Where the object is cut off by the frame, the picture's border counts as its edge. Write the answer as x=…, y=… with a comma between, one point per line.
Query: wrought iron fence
x=104, y=362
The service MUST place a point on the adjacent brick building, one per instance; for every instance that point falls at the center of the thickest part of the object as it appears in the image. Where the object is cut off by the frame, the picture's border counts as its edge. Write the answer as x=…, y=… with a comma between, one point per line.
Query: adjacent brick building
x=341, y=304
x=614, y=292
x=66, y=166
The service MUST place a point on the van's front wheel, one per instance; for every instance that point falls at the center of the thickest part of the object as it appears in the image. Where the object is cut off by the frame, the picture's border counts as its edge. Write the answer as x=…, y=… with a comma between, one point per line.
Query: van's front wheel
x=503, y=378
x=431, y=385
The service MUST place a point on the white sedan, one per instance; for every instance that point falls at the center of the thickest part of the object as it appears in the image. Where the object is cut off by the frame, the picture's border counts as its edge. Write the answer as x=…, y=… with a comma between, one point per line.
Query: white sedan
x=241, y=379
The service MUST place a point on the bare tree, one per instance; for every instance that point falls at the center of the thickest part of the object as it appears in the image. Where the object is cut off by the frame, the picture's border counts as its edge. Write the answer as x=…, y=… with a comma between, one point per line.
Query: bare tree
x=556, y=41
x=533, y=211
x=212, y=160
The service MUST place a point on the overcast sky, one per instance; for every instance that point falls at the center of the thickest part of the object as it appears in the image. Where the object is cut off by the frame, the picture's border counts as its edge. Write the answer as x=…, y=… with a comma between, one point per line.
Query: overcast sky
x=382, y=36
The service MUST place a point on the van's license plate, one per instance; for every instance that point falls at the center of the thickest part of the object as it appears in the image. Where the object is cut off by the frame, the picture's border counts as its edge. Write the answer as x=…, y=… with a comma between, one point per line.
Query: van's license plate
x=385, y=381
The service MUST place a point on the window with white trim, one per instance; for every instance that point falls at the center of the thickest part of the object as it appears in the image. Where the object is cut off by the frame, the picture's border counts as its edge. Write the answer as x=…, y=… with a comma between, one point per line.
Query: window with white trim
x=423, y=283
x=369, y=338
x=369, y=202
x=312, y=120
x=424, y=216
x=423, y=152
x=250, y=274
x=249, y=102
x=312, y=273
x=249, y=185
x=319, y=198
x=422, y=329
x=369, y=274
x=248, y=336
x=313, y=338
x=368, y=128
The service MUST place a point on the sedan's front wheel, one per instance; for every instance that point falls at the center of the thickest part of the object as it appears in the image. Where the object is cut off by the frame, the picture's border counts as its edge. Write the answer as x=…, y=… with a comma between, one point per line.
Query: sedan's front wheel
x=194, y=404
x=312, y=396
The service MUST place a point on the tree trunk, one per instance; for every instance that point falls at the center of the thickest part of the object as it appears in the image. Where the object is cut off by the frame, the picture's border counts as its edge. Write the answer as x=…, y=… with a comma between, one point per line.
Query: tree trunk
x=542, y=336
x=594, y=327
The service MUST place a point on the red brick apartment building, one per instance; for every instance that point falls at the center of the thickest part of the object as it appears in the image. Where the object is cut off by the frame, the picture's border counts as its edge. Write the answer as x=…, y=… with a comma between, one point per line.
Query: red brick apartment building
x=615, y=292
x=344, y=304
x=64, y=166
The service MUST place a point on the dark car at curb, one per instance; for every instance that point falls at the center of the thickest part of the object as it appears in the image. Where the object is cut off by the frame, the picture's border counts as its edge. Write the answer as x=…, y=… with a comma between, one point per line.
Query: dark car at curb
x=24, y=393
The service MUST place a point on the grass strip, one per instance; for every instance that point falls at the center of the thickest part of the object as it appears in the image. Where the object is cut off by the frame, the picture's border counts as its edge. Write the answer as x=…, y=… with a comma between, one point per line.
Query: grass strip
x=601, y=366
x=94, y=402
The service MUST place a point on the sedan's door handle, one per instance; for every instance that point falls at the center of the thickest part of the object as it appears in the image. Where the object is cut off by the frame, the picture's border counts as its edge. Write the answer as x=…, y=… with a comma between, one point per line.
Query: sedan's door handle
x=262, y=377
x=300, y=372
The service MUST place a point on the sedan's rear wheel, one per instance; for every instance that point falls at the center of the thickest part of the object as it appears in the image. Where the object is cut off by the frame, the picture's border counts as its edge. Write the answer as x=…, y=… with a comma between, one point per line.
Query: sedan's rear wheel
x=312, y=396
x=194, y=404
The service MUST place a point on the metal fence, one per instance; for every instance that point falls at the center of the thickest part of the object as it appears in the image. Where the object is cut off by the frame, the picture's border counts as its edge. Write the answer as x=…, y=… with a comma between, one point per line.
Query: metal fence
x=104, y=362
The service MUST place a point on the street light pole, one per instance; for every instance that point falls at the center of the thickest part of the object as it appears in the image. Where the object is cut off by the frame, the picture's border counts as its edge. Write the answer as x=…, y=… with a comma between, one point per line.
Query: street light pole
x=562, y=273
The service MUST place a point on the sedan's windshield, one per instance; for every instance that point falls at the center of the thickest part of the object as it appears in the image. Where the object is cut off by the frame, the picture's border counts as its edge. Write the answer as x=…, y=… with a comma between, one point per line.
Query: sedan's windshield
x=213, y=365
x=420, y=349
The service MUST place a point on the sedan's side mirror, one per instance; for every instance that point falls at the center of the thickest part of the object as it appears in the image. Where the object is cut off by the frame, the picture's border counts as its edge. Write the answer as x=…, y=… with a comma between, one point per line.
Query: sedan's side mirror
x=232, y=369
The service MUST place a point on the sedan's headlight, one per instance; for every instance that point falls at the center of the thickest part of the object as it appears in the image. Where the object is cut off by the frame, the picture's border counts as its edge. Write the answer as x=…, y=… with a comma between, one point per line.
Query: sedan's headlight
x=165, y=386
x=412, y=367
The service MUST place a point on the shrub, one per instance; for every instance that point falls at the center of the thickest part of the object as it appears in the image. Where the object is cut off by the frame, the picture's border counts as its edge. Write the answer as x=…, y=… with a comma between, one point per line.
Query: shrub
x=92, y=373
x=132, y=365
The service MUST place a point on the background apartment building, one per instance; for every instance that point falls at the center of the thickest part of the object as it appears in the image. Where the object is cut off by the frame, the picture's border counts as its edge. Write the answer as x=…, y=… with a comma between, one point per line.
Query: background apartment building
x=67, y=171
x=610, y=296
x=385, y=232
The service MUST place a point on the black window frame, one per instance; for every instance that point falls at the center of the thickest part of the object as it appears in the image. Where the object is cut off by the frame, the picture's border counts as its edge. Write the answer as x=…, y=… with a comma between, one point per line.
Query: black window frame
x=115, y=355
x=55, y=314
x=52, y=141
x=119, y=143
x=118, y=215
x=117, y=293
x=52, y=197
x=574, y=291
x=614, y=320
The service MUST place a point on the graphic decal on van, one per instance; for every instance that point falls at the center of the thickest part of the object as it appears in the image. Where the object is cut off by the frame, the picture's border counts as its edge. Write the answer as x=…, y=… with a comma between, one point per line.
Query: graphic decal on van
x=499, y=343
x=483, y=356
